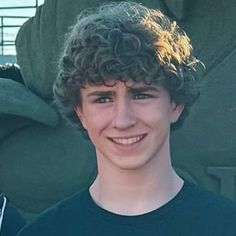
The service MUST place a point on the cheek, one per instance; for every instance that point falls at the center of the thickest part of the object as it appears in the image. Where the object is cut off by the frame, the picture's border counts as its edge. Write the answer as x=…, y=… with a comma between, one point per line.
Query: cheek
x=157, y=115
x=94, y=122
x=95, y=128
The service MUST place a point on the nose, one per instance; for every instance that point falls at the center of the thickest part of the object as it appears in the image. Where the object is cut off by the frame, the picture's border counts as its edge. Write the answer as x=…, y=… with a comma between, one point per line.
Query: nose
x=124, y=116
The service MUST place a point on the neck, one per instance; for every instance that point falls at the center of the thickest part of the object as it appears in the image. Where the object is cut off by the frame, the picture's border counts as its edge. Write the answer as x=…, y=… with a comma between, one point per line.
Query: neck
x=135, y=192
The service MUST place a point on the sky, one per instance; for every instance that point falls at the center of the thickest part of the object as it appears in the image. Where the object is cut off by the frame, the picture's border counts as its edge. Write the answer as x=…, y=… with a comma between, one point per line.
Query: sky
x=9, y=33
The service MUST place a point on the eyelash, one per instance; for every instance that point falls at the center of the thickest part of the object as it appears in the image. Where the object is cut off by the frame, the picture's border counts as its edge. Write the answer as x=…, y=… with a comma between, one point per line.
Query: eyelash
x=142, y=96
x=102, y=100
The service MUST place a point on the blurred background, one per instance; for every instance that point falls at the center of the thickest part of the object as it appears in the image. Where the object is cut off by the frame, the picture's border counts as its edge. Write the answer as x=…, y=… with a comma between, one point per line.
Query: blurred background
x=13, y=13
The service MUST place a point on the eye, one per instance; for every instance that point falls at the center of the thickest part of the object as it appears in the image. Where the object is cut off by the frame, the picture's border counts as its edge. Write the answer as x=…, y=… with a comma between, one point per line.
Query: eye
x=103, y=100
x=141, y=96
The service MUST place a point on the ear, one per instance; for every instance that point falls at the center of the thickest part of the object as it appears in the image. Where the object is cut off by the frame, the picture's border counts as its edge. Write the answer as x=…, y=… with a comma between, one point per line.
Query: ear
x=79, y=112
x=177, y=110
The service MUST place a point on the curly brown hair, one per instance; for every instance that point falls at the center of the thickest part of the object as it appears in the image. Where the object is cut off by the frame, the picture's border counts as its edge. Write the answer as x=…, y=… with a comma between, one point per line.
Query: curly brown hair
x=125, y=41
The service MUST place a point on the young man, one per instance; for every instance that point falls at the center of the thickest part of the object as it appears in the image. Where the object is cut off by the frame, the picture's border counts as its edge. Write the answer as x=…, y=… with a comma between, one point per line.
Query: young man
x=126, y=76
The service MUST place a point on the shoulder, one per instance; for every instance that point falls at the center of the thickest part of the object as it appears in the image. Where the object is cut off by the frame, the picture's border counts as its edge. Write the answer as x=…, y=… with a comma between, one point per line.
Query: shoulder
x=199, y=196
x=211, y=209
x=57, y=218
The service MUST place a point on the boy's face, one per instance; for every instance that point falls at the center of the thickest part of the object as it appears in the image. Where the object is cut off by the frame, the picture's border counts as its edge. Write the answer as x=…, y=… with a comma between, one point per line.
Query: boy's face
x=129, y=125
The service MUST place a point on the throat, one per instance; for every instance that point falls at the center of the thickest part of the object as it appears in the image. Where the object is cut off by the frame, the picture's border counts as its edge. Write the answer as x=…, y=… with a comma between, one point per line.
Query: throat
x=135, y=200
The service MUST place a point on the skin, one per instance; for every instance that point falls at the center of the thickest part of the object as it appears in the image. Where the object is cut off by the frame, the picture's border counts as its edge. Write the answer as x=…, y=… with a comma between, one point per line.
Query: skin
x=130, y=127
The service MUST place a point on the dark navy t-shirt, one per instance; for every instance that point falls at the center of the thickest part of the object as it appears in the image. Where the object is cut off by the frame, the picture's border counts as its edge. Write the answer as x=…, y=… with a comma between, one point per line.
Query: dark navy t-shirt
x=192, y=212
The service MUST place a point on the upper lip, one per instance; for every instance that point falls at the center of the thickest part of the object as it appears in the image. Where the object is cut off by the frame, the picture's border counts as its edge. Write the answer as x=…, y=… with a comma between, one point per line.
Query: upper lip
x=127, y=137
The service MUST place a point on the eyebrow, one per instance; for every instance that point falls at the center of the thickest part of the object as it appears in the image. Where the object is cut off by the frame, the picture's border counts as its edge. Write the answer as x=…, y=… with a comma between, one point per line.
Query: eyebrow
x=101, y=93
x=131, y=90
x=144, y=89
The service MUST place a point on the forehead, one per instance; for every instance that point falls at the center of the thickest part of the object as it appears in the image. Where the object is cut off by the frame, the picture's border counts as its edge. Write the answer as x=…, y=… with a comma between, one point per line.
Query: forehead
x=128, y=85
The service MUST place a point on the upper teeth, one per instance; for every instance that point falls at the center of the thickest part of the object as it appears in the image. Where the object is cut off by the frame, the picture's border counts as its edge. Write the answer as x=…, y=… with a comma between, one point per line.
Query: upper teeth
x=128, y=141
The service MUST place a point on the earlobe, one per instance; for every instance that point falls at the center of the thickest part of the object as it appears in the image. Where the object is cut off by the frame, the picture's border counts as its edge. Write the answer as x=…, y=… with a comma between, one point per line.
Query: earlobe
x=176, y=112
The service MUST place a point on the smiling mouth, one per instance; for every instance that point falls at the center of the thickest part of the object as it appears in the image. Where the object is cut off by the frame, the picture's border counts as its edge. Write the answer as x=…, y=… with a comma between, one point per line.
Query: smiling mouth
x=128, y=141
